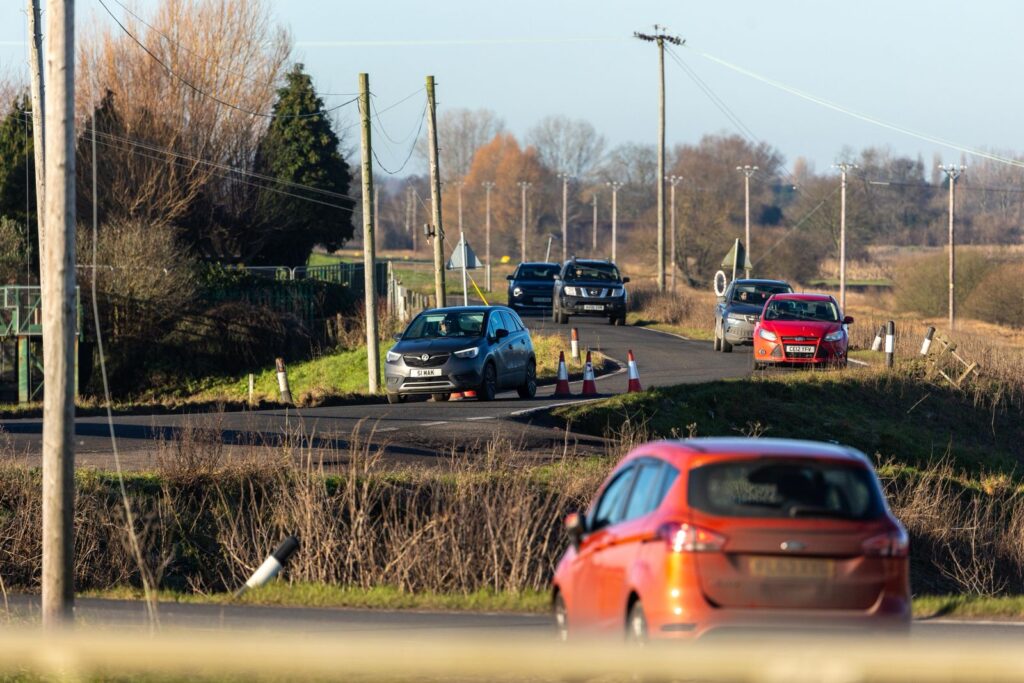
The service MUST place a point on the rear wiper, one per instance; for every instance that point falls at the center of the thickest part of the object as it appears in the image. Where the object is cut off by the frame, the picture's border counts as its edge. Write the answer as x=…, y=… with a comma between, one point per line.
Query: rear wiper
x=816, y=511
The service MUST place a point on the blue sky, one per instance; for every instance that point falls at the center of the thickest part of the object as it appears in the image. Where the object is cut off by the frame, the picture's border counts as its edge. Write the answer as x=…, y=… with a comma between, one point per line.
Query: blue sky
x=937, y=66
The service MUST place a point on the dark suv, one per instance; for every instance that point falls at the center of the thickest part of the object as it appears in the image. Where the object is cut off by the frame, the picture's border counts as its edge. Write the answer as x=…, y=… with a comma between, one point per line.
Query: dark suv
x=739, y=309
x=530, y=286
x=589, y=287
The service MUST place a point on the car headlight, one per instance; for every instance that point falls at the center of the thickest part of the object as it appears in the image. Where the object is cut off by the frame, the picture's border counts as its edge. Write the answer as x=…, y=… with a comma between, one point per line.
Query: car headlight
x=393, y=357
x=517, y=291
x=616, y=292
x=736, y=318
x=467, y=353
x=571, y=291
x=765, y=334
x=835, y=336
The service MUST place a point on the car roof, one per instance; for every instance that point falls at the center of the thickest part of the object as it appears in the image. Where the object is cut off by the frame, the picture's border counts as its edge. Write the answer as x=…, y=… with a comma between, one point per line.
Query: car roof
x=467, y=309
x=537, y=263
x=760, y=281
x=698, y=448
x=601, y=261
x=800, y=296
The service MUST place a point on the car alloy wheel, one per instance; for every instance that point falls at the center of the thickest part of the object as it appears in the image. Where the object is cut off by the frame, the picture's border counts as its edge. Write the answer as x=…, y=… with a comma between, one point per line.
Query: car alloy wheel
x=636, y=624
x=489, y=385
x=440, y=398
x=717, y=344
x=396, y=398
x=529, y=388
x=561, y=619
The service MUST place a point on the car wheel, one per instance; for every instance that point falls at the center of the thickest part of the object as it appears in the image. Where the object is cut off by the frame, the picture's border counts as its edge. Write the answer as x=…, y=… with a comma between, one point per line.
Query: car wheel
x=636, y=624
x=529, y=387
x=755, y=365
x=726, y=346
x=561, y=615
x=562, y=318
x=441, y=398
x=717, y=344
x=489, y=385
x=396, y=398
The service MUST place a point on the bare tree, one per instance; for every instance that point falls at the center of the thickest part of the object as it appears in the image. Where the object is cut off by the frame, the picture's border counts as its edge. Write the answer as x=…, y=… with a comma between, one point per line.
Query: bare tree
x=460, y=133
x=567, y=145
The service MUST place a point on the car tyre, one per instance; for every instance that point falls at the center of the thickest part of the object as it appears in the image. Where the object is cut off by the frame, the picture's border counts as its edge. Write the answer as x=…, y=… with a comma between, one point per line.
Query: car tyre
x=489, y=384
x=440, y=398
x=529, y=387
x=726, y=346
x=717, y=343
x=561, y=615
x=636, y=624
x=396, y=398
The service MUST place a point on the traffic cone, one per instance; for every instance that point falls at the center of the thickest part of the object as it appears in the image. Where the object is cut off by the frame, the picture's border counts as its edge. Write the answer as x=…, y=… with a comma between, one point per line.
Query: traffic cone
x=456, y=396
x=562, y=389
x=574, y=344
x=589, y=384
x=634, y=374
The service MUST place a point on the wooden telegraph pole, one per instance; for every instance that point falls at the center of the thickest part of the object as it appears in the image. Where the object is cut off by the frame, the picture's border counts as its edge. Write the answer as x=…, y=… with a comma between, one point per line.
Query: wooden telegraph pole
x=369, y=256
x=435, y=196
x=59, y=310
x=38, y=136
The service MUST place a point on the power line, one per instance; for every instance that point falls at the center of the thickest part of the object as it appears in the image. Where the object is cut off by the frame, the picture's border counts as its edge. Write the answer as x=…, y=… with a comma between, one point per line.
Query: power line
x=391, y=106
x=412, y=147
x=792, y=231
x=199, y=91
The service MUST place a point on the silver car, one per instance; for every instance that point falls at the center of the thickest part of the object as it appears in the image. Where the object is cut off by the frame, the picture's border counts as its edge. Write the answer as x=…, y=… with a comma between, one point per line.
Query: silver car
x=467, y=348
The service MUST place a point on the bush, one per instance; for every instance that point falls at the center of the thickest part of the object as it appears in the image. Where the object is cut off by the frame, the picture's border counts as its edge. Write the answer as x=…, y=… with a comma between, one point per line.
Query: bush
x=922, y=283
x=999, y=298
x=12, y=251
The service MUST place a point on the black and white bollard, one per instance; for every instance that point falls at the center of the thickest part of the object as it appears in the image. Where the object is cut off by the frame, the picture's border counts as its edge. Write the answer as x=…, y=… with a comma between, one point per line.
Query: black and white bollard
x=877, y=344
x=890, y=342
x=927, y=343
x=282, y=381
x=271, y=566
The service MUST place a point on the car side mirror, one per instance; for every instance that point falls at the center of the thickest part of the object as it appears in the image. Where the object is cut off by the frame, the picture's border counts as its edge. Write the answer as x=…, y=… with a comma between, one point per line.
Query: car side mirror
x=575, y=527
x=510, y=277
x=501, y=333
x=721, y=299
x=625, y=280
x=558, y=277
x=848, y=320
x=397, y=336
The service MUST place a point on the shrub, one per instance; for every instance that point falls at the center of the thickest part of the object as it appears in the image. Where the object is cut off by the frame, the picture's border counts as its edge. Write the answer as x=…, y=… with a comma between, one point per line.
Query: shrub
x=999, y=297
x=922, y=283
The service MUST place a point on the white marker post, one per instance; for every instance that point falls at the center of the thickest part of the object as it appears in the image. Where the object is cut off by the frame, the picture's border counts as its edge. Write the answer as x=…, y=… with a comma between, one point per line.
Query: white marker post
x=927, y=343
x=890, y=342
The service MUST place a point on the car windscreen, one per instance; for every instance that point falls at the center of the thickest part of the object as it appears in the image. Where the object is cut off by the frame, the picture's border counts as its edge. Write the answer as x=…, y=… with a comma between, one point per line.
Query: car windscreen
x=792, y=309
x=446, y=324
x=756, y=293
x=770, y=487
x=601, y=272
x=537, y=272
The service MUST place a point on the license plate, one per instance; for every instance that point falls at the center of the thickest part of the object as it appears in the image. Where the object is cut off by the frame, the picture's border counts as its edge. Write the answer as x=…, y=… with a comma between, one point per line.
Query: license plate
x=790, y=568
x=425, y=372
x=592, y=307
x=799, y=349
x=542, y=299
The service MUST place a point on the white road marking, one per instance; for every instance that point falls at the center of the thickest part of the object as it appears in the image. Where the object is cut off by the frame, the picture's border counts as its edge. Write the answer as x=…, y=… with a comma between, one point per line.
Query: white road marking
x=434, y=424
x=483, y=417
x=858, y=362
x=386, y=429
x=671, y=334
x=969, y=622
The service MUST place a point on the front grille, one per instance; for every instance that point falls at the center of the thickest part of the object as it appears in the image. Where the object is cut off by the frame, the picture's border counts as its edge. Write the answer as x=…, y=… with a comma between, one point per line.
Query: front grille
x=434, y=382
x=752, y=318
x=433, y=360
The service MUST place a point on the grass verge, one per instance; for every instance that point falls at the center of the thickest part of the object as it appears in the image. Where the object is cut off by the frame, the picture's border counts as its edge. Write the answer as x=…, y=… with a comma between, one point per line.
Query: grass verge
x=302, y=594
x=1010, y=607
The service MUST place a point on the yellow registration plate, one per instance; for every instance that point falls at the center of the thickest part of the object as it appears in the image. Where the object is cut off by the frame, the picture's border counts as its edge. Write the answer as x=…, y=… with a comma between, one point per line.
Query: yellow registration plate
x=790, y=568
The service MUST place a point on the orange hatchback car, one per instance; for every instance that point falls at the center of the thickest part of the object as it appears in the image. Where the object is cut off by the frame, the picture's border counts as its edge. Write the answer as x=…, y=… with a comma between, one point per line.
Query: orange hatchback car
x=691, y=537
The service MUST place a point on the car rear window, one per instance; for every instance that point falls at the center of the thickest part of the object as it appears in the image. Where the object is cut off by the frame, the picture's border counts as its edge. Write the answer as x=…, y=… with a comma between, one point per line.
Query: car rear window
x=777, y=487
x=537, y=272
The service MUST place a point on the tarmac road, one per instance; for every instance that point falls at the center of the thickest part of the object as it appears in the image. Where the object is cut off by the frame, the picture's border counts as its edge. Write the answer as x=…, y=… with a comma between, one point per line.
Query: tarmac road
x=414, y=431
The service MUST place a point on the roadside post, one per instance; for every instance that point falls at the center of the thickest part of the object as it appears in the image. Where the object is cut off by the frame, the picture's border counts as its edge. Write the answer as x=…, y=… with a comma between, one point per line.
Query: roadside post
x=252, y=388
x=271, y=566
x=890, y=341
x=927, y=343
x=282, y=381
x=574, y=344
x=876, y=345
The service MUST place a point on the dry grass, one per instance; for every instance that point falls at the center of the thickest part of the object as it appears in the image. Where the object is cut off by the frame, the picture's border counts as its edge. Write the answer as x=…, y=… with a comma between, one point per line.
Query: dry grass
x=690, y=312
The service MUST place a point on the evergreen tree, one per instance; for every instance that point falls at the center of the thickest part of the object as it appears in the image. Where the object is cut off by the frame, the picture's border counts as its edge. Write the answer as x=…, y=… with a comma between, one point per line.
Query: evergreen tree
x=300, y=147
x=17, y=169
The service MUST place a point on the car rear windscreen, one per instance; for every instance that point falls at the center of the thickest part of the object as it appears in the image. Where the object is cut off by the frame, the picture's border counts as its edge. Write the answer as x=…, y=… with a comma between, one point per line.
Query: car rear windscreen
x=778, y=487
x=538, y=272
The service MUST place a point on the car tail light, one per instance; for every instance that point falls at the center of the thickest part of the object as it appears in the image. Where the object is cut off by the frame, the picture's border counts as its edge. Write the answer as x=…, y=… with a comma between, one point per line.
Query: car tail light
x=891, y=544
x=686, y=538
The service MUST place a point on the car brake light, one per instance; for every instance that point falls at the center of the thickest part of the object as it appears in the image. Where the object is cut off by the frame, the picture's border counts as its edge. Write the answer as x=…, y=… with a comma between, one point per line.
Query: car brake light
x=890, y=544
x=686, y=538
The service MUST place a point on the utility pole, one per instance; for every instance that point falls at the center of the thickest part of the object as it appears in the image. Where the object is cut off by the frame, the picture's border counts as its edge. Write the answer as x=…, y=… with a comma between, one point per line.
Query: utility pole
x=458, y=187
x=523, y=187
x=488, y=186
x=952, y=172
x=38, y=117
x=615, y=217
x=376, y=209
x=593, y=232
x=747, y=172
x=435, y=195
x=565, y=215
x=844, y=168
x=673, y=181
x=369, y=256
x=659, y=37
x=408, y=214
x=59, y=311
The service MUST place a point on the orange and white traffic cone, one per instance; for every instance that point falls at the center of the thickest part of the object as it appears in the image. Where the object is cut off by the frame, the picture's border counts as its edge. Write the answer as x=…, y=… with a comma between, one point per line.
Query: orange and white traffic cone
x=634, y=374
x=589, y=383
x=562, y=389
x=456, y=396
x=574, y=344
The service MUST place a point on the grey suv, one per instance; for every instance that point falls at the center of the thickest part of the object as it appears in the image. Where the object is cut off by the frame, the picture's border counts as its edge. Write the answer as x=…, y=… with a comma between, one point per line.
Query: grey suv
x=589, y=287
x=739, y=309
x=467, y=348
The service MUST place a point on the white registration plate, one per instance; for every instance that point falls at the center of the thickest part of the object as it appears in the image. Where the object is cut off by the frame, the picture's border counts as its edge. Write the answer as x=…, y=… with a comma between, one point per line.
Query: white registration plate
x=799, y=349
x=542, y=299
x=593, y=307
x=425, y=372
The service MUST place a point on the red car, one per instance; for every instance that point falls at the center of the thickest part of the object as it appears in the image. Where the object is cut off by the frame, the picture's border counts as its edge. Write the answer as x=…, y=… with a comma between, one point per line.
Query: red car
x=805, y=329
x=689, y=537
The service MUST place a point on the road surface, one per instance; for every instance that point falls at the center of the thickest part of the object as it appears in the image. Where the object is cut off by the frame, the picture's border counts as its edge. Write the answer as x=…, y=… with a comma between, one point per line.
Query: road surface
x=413, y=431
